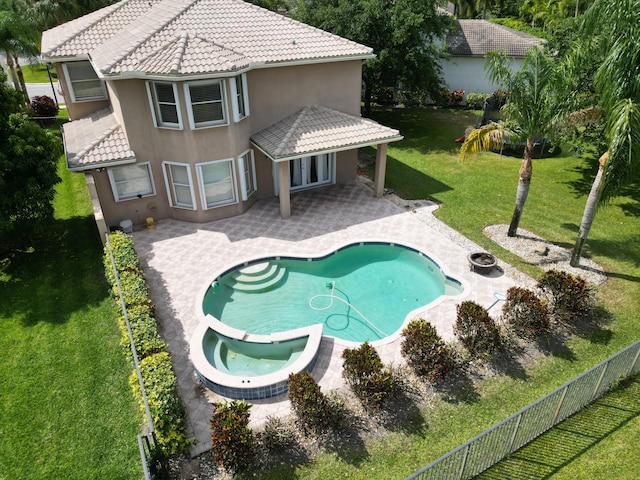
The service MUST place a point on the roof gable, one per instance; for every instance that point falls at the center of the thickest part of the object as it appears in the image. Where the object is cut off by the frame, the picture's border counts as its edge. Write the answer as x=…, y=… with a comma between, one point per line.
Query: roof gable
x=191, y=37
x=479, y=37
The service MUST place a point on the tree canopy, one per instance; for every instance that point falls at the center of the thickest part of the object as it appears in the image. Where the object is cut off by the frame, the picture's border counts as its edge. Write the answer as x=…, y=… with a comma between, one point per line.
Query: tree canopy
x=406, y=36
x=28, y=170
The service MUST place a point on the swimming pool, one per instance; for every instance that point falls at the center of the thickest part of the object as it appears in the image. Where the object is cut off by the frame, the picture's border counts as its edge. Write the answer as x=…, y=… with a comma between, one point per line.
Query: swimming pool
x=361, y=292
x=281, y=307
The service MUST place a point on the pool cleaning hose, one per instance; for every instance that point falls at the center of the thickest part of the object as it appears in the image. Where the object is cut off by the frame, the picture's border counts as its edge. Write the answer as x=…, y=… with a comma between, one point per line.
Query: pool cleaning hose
x=332, y=286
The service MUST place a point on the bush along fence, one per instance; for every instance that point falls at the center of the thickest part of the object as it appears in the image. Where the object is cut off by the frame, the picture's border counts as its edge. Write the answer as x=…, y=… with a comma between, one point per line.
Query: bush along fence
x=504, y=438
x=153, y=381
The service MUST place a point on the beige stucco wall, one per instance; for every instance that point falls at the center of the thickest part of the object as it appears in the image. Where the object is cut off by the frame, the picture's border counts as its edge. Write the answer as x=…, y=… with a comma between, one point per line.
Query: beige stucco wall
x=274, y=93
x=79, y=109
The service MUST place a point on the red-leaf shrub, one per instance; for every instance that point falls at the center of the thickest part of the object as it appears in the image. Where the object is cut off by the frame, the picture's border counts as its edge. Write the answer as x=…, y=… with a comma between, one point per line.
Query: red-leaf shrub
x=476, y=330
x=525, y=313
x=425, y=351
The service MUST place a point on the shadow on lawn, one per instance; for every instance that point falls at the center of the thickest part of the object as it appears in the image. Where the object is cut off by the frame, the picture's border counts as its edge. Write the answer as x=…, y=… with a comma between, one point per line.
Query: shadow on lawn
x=398, y=172
x=61, y=273
x=572, y=438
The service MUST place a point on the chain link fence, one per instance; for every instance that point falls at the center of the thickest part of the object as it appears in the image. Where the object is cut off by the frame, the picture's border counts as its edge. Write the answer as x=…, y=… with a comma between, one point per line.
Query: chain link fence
x=504, y=438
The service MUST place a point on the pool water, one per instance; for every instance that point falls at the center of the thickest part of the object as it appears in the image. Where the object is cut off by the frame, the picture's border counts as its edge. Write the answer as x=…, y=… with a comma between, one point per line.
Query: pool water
x=237, y=357
x=361, y=292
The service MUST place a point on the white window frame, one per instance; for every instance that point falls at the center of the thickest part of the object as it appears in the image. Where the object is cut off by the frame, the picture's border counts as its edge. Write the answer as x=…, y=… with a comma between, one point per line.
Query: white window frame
x=223, y=102
x=71, y=82
x=305, y=165
x=245, y=189
x=170, y=184
x=239, y=96
x=232, y=181
x=132, y=196
x=155, y=106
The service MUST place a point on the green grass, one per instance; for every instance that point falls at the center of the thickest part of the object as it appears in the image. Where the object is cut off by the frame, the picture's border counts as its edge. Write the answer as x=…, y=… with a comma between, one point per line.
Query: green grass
x=474, y=194
x=37, y=73
x=67, y=410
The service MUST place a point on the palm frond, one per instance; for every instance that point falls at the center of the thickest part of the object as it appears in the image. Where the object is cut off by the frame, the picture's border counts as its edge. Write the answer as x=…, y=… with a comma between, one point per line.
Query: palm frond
x=488, y=137
x=623, y=132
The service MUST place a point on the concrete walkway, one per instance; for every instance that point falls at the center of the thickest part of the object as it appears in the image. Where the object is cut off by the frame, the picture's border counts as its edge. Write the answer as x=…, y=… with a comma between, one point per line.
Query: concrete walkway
x=179, y=258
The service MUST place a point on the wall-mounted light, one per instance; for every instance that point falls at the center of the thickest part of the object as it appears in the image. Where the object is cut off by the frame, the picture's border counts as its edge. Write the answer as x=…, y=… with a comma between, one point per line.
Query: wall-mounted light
x=101, y=169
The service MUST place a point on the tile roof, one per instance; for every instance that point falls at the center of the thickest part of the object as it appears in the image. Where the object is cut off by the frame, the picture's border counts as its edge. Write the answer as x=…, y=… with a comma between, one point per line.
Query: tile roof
x=96, y=140
x=182, y=37
x=318, y=129
x=479, y=37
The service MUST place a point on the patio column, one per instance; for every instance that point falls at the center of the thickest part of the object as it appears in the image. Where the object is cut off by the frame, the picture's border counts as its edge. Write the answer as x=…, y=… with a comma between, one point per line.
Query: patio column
x=381, y=167
x=285, y=194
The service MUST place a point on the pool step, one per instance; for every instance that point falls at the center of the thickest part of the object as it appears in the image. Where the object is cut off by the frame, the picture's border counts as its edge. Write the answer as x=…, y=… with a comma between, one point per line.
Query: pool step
x=258, y=277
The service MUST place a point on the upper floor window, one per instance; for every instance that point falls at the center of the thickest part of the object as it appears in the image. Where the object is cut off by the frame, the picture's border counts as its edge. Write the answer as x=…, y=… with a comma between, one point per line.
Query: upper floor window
x=84, y=84
x=177, y=177
x=240, y=97
x=131, y=181
x=165, y=108
x=206, y=101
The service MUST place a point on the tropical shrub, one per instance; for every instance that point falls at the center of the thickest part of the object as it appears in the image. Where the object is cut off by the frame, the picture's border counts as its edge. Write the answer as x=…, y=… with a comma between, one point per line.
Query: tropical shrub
x=475, y=100
x=456, y=97
x=369, y=379
x=134, y=289
x=276, y=435
x=307, y=401
x=425, y=351
x=167, y=411
x=44, y=106
x=571, y=295
x=525, y=313
x=476, y=330
x=498, y=99
x=410, y=98
x=144, y=331
x=124, y=254
x=231, y=437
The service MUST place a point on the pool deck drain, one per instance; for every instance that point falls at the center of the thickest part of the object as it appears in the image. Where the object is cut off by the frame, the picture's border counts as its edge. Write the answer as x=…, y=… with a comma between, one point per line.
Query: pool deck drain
x=179, y=257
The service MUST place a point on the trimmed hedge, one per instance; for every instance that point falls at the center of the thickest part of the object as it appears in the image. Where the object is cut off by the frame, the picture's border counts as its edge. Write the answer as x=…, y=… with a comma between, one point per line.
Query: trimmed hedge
x=166, y=408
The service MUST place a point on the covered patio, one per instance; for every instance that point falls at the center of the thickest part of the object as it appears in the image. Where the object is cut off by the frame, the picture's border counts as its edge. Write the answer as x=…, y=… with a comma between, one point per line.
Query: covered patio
x=318, y=130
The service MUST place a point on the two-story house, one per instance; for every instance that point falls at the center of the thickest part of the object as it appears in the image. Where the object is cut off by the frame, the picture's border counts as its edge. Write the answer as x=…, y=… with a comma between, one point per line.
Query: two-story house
x=194, y=109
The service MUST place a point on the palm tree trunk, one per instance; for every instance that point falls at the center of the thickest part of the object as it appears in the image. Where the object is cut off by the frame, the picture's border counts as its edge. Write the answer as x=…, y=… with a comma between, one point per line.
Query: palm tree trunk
x=589, y=212
x=12, y=70
x=23, y=85
x=524, y=183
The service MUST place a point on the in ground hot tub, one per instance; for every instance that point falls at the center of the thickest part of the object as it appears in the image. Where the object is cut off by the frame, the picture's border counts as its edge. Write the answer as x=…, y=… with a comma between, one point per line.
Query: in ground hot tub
x=242, y=366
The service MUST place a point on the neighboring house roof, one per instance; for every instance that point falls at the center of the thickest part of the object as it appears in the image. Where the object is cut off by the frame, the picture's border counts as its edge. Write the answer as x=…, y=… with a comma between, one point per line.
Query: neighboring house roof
x=96, y=140
x=186, y=37
x=479, y=37
x=317, y=129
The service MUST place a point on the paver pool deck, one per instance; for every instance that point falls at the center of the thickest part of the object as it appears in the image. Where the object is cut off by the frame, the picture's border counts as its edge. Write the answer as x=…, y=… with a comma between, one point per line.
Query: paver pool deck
x=178, y=258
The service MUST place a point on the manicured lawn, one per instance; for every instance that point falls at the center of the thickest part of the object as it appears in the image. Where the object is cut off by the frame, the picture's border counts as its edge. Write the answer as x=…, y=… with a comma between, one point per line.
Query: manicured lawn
x=474, y=194
x=37, y=73
x=66, y=408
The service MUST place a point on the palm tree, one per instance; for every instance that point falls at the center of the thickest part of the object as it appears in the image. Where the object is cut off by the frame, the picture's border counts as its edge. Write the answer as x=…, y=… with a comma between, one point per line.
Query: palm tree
x=532, y=110
x=17, y=37
x=615, y=27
